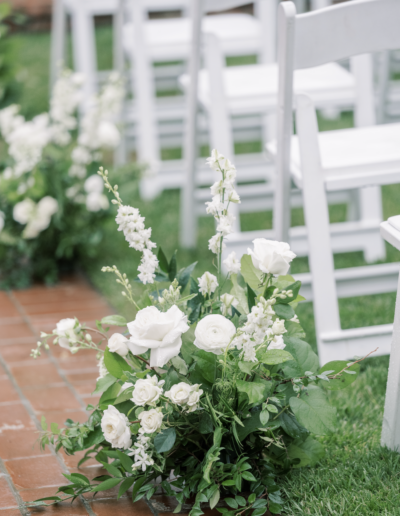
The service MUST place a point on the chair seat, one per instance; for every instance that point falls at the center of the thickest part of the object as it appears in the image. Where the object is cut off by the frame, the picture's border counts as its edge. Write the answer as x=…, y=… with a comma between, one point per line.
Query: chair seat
x=252, y=88
x=169, y=39
x=353, y=158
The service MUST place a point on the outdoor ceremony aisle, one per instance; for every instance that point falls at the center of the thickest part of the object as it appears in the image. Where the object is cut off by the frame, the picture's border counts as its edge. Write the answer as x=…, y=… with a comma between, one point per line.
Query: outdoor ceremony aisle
x=57, y=385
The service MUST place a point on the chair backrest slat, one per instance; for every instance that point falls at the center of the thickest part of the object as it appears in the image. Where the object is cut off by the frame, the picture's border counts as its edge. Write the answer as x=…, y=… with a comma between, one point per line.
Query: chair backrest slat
x=344, y=30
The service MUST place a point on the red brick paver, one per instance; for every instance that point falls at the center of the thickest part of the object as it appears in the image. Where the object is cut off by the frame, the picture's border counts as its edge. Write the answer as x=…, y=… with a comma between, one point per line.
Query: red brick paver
x=57, y=385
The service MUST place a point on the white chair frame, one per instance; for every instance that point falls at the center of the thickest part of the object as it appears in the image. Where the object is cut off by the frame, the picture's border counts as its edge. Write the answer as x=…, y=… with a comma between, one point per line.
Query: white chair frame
x=390, y=231
x=360, y=26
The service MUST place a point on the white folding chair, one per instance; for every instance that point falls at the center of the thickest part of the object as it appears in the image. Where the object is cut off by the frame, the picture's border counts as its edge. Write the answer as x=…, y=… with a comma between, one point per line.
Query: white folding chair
x=390, y=231
x=338, y=160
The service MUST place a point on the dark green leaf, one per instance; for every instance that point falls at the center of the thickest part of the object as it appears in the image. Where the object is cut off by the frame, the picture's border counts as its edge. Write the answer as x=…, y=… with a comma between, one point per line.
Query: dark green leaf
x=304, y=358
x=172, y=267
x=115, y=364
x=309, y=452
x=284, y=311
x=249, y=476
x=254, y=391
x=138, y=484
x=206, y=364
x=291, y=426
x=165, y=440
x=93, y=438
x=250, y=425
x=162, y=260
x=115, y=472
x=345, y=379
x=313, y=411
x=240, y=500
x=231, y=502
x=259, y=512
x=274, y=508
x=251, y=297
x=113, y=320
x=126, y=484
x=126, y=461
x=184, y=275
x=107, y=484
x=205, y=424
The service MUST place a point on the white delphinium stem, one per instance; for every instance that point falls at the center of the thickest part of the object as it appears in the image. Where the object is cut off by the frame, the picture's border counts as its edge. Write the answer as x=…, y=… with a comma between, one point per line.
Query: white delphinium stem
x=223, y=194
x=131, y=223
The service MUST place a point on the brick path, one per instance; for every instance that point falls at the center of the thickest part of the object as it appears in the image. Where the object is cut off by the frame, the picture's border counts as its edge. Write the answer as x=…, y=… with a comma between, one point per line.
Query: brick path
x=57, y=385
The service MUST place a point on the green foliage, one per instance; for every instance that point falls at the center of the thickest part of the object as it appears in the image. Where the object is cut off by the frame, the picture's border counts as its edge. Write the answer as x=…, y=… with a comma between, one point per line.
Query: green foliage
x=115, y=364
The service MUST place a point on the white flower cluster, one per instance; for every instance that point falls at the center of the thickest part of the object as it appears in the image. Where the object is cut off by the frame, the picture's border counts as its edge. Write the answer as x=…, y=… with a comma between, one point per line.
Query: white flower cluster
x=223, y=193
x=37, y=217
x=132, y=224
x=103, y=371
x=259, y=327
x=64, y=101
x=98, y=129
x=140, y=451
x=208, y=283
x=228, y=301
x=95, y=200
x=26, y=140
x=185, y=395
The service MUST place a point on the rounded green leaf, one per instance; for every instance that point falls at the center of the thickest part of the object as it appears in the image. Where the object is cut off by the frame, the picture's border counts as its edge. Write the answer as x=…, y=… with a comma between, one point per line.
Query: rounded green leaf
x=275, y=356
x=313, y=411
x=165, y=440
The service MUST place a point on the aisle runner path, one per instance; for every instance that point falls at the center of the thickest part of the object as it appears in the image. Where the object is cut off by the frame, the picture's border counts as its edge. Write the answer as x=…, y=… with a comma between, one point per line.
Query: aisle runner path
x=57, y=385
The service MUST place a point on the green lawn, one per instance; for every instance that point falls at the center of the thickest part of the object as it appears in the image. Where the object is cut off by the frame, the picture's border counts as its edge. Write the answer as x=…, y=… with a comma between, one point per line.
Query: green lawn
x=357, y=477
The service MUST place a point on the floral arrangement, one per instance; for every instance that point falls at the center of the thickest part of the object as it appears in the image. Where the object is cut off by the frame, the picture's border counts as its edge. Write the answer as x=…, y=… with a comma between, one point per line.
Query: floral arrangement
x=51, y=199
x=209, y=395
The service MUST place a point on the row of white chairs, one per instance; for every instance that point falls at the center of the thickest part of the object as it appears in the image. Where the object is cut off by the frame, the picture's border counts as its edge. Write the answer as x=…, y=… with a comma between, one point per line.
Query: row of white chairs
x=336, y=166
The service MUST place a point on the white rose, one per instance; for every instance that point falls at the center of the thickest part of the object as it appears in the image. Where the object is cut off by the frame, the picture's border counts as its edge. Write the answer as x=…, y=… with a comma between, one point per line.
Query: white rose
x=115, y=428
x=271, y=257
x=232, y=264
x=147, y=392
x=279, y=327
x=161, y=332
x=277, y=343
x=179, y=393
x=23, y=211
x=208, y=283
x=194, y=398
x=65, y=331
x=150, y=421
x=214, y=333
x=117, y=343
x=108, y=135
x=94, y=184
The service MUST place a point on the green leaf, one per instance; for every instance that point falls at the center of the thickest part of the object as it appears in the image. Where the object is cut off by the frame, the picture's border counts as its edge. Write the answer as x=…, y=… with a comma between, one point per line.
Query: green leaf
x=172, y=267
x=313, y=411
x=114, y=320
x=206, y=364
x=126, y=484
x=284, y=311
x=43, y=423
x=77, y=478
x=205, y=424
x=291, y=426
x=254, y=391
x=240, y=294
x=304, y=358
x=250, y=425
x=246, y=367
x=344, y=380
x=251, y=297
x=231, y=502
x=107, y=484
x=165, y=440
x=162, y=260
x=184, y=275
x=180, y=365
x=264, y=417
x=93, y=438
x=115, y=472
x=252, y=276
x=104, y=383
x=275, y=356
x=54, y=428
x=309, y=452
x=110, y=394
x=214, y=499
x=240, y=500
x=138, y=484
x=260, y=512
x=249, y=476
x=115, y=364
x=294, y=329
x=171, y=378
x=295, y=287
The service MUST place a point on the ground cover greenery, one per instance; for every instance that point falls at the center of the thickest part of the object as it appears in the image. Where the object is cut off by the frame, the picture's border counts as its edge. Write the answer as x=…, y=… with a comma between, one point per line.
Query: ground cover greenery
x=357, y=477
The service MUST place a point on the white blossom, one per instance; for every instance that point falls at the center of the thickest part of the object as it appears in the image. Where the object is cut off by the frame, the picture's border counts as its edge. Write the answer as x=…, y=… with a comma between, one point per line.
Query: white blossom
x=115, y=428
x=207, y=283
x=271, y=257
x=150, y=421
x=228, y=301
x=214, y=333
x=147, y=391
x=232, y=264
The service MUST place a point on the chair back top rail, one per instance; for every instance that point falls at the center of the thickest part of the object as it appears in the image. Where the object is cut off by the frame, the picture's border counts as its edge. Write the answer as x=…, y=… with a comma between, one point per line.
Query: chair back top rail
x=344, y=30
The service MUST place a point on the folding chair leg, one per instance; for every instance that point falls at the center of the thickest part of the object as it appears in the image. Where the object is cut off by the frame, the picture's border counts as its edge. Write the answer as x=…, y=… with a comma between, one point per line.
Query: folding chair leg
x=371, y=210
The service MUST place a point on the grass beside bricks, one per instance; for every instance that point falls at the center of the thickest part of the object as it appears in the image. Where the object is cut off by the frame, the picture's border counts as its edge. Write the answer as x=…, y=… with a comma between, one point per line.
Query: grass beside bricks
x=357, y=477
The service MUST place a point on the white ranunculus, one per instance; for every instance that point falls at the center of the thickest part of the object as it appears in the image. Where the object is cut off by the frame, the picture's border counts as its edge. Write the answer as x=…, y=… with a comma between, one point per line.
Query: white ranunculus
x=277, y=343
x=94, y=184
x=271, y=257
x=159, y=331
x=96, y=202
x=108, y=135
x=65, y=331
x=208, y=283
x=115, y=428
x=214, y=333
x=2, y=221
x=179, y=393
x=278, y=327
x=147, y=391
x=23, y=211
x=150, y=421
x=117, y=343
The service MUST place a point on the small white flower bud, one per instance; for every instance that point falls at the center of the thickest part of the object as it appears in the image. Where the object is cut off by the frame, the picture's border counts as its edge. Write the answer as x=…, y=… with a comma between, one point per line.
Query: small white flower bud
x=88, y=337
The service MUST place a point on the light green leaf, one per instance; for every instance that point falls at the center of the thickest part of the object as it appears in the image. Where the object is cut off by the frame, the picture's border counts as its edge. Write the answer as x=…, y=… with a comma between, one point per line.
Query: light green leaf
x=214, y=499
x=313, y=411
x=113, y=320
x=275, y=356
x=104, y=383
x=309, y=452
x=180, y=365
x=43, y=423
x=115, y=364
x=246, y=367
x=304, y=358
x=264, y=417
x=254, y=391
x=240, y=294
x=252, y=276
x=344, y=380
x=284, y=311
